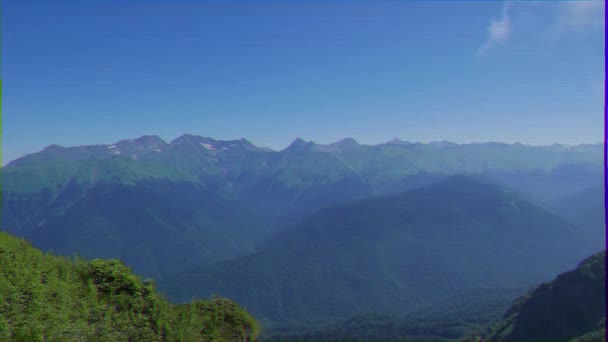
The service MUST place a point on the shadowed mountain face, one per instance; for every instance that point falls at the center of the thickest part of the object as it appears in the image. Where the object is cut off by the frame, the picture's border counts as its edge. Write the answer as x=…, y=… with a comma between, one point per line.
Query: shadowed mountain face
x=572, y=305
x=393, y=254
x=585, y=208
x=208, y=200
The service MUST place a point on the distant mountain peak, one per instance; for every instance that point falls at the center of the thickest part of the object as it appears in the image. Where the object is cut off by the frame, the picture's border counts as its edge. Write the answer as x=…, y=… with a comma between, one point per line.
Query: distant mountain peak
x=397, y=141
x=246, y=143
x=338, y=146
x=299, y=145
x=346, y=142
x=185, y=138
x=214, y=146
x=135, y=147
x=298, y=141
x=195, y=140
x=150, y=139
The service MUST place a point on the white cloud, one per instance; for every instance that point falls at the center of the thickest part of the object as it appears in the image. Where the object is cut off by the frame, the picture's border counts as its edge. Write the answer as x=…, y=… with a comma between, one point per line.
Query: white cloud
x=581, y=15
x=498, y=31
x=543, y=20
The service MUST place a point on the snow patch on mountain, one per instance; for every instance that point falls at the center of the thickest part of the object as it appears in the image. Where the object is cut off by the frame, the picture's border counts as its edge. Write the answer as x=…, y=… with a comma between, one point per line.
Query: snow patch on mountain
x=208, y=146
x=114, y=149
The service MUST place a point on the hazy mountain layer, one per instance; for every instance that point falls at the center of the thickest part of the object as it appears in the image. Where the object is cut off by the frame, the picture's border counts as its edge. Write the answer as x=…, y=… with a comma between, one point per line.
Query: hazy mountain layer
x=393, y=254
x=155, y=226
x=586, y=209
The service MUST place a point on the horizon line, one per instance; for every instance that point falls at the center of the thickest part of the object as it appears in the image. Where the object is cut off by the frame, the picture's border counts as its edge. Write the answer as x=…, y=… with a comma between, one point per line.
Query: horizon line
x=393, y=141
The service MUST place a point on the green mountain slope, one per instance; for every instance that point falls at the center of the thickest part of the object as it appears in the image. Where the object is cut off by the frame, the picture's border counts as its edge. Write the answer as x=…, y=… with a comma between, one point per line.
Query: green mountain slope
x=50, y=298
x=392, y=254
x=571, y=307
x=155, y=227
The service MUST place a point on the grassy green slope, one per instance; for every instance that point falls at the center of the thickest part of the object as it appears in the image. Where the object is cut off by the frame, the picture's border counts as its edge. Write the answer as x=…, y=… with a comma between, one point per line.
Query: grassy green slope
x=50, y=298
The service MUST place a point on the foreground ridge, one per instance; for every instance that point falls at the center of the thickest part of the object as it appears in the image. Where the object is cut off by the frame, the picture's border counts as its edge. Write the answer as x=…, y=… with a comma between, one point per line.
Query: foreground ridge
x=570, y=308
x=46, y=297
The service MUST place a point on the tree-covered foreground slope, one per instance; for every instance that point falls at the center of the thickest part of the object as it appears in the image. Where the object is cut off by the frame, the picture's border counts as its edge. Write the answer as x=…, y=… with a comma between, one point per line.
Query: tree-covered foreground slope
x=49, y=298
x=570, y=308
x=393, y=254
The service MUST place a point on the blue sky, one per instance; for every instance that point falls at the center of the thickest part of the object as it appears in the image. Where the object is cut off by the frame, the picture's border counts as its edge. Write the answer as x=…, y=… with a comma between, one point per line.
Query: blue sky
x=88, y=72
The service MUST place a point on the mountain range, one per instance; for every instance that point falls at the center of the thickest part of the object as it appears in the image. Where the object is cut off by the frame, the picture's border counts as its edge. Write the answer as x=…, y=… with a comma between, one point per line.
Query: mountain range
x=315, y=233
x=236, y=165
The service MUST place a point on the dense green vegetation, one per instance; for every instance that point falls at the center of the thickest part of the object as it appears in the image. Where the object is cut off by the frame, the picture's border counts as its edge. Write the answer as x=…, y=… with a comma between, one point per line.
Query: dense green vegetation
x=448, y=320
x=570, y=308
x=50, y=298
x=392, y=255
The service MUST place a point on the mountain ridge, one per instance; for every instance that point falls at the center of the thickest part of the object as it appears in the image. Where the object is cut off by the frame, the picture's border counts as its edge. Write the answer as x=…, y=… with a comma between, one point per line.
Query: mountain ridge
x=299, y=142
x=194, y=158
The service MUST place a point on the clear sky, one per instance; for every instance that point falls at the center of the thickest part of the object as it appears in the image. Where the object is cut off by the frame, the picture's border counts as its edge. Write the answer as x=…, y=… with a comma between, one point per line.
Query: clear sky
x=78, y=73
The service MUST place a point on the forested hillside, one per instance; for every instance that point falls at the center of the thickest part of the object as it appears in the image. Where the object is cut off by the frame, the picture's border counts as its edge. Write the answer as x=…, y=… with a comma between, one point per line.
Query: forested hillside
x=50, y=298
x=571, y=307
x=448, y=320
x=393, y=254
